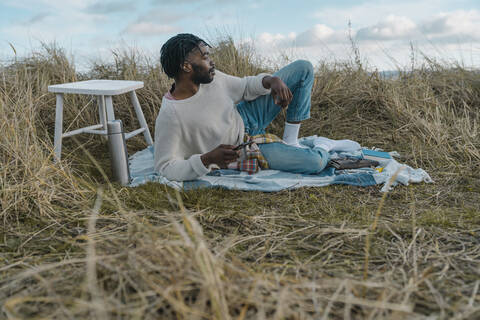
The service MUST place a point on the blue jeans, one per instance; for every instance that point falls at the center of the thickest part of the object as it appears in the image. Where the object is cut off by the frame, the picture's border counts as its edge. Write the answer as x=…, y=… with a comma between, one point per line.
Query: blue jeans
x=259, y=113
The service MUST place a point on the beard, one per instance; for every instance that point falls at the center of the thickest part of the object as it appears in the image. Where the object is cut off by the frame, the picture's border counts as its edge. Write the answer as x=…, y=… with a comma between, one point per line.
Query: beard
x=200, y=75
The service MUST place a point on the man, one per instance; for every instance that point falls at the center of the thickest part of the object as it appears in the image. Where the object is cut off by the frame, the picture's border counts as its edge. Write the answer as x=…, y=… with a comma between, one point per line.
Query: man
x=207, y=113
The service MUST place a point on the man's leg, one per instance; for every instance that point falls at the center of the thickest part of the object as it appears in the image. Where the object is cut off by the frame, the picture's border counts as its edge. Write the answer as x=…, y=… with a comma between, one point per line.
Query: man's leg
x=285, y=157
x=259, y=113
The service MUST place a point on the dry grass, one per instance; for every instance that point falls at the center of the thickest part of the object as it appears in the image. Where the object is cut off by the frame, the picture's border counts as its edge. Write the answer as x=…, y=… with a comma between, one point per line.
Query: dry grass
x=73, y=245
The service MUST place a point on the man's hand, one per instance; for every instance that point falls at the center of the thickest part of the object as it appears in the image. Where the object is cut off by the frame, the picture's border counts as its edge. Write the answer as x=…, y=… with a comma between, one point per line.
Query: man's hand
x=281, y=94
x=221, y=156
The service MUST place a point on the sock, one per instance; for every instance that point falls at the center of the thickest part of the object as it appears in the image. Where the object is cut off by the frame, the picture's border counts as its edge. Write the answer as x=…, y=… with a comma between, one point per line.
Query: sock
x=290, y=133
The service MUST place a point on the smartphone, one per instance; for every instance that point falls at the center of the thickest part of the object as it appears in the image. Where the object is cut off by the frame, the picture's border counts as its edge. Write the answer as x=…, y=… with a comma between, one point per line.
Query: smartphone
x=242, y=145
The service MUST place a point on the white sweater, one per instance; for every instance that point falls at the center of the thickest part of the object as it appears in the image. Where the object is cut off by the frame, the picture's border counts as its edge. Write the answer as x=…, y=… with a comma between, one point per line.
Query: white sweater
x=186, y=129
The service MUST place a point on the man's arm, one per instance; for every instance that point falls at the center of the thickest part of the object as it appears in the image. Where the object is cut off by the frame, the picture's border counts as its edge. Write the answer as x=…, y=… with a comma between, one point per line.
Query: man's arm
x=221, y=156
x=266, y=82
x=169, y=157
x=246, y=88
x=281, y=94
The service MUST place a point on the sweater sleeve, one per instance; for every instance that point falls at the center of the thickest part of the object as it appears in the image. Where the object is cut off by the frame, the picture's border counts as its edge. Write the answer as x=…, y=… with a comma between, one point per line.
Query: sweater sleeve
x=246, y=88
x=170, y=161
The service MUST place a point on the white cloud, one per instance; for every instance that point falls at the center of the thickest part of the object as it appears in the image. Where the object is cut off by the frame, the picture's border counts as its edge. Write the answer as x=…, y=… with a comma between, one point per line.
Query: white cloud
x=149, y=25
x=58, y=5
x=269, y=38
x=453, y=25
x=111, y=7
x=56, y=20
x=161, y=15
x=48, y=29
x=364, y=14
x=319, y=33
x=391, y=28
x=37, y=18
x=150, y=28
x=384, y=43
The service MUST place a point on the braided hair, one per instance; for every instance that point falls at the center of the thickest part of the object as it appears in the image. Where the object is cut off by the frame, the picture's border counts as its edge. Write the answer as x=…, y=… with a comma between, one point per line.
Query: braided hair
x=176, y=49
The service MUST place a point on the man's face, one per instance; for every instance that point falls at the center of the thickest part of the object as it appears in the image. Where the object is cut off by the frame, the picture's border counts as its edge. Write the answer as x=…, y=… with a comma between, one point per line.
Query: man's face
x=202, y=66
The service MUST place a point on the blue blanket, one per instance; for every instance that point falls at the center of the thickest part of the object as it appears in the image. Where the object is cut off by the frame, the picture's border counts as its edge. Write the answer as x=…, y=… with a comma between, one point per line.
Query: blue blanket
x=142, y=171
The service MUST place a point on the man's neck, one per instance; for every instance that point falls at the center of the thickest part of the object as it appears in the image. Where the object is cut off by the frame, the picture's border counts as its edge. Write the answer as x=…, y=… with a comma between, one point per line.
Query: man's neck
x=184, y=89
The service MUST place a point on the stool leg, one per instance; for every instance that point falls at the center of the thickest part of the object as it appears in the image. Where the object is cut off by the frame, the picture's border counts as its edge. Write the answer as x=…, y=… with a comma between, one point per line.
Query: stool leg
x=57, y=143
x=141, y=118
x=109, y=106
x=101, y=113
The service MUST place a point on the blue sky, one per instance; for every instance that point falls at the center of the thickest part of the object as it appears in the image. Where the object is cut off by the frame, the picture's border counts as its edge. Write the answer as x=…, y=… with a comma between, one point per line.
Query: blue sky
x=385, y=31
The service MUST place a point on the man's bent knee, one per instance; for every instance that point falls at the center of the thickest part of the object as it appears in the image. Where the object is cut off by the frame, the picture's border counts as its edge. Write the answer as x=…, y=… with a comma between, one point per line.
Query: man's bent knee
x=305, y=66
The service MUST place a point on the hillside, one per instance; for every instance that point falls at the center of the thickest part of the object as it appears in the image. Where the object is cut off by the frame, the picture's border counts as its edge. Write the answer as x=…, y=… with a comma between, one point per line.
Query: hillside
x=74, y=245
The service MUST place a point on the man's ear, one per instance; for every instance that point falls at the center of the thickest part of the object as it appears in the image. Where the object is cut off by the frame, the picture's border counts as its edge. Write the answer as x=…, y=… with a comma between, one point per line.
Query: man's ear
x=186, y=67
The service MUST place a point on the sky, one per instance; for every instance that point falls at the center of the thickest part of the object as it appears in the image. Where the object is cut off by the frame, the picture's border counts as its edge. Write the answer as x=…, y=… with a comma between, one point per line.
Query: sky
x=388, y=34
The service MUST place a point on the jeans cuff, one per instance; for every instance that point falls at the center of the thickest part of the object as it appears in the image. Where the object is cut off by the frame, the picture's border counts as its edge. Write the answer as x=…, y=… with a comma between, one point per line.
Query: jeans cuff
x=298, y=119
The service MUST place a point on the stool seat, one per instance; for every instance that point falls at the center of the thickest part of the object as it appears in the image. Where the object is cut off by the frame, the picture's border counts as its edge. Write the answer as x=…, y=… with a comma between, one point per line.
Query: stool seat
x=97, y=87
x=103, y=90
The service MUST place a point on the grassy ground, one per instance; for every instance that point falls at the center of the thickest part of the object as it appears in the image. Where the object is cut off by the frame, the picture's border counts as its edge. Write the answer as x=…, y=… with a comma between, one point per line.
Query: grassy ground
x=73, y=245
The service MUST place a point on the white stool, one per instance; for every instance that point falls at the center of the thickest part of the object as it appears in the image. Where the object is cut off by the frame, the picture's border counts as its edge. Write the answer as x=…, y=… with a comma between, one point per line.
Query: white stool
x=103, y=90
